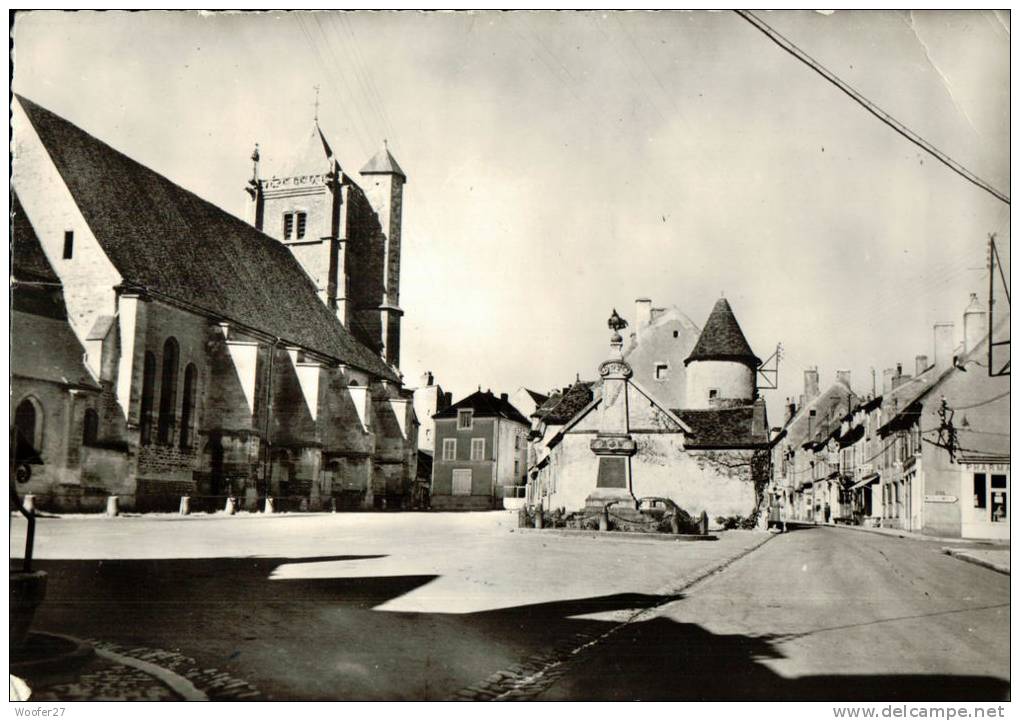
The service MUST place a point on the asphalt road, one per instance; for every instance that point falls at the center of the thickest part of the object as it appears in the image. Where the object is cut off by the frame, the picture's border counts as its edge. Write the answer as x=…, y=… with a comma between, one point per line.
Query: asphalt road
x=817, y=614
x=421, y=606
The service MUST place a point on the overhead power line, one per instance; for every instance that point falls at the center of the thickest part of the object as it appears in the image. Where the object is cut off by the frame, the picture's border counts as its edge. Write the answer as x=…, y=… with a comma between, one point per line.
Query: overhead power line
x=870, y=106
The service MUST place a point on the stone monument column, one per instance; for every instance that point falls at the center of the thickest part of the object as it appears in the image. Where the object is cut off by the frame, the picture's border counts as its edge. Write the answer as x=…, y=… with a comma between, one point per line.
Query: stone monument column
x=613, y=446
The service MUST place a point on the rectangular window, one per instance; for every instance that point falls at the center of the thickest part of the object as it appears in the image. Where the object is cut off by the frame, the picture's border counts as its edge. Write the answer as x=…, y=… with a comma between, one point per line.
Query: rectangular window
x=1000, y=512
x=301, y=221
x=477, y=449
x=449, y=449
x=464, y=420
x=288, y=226
x=68, y=244
x=998, y=481
x=713, y=393
x=979, y=491
x=462, y=482
x=661, y=371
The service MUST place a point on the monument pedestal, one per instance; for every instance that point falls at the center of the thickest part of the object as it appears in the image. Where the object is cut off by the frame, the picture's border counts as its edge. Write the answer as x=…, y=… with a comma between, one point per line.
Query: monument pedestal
x=613, y=481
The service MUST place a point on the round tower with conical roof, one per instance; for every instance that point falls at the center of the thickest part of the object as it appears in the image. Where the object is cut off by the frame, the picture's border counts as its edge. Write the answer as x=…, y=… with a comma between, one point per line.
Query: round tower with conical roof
x=722, y=368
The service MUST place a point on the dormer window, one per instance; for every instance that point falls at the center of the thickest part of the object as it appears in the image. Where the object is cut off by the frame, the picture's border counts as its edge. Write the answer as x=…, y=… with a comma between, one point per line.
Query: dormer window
x=464, y=420
x=294, y=224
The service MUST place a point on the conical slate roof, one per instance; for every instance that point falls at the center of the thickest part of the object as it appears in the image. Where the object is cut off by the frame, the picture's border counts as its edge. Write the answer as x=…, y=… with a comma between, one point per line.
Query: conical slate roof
x=383, y=163
x=722, y=339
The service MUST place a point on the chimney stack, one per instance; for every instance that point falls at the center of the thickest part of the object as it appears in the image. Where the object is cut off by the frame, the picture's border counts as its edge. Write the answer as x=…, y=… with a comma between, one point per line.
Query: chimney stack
x=943, y=333
x=791, y=409
x=843, y=377
x=642, y=313
x=920, y=365
x=887, y=380
x=810, y=384
x=504, y=397
x=975, y=324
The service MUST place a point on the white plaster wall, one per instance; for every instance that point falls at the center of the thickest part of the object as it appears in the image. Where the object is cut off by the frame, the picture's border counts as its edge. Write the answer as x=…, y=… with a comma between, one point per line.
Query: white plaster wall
x=733, y=380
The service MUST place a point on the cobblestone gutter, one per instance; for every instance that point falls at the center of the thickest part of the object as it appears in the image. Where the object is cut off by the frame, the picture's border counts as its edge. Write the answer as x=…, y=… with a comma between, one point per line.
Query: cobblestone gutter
x=527, y=680
x=138, y=673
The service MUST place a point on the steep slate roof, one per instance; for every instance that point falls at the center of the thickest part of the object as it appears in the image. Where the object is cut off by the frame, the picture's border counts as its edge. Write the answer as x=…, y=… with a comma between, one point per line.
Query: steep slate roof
x=47, y=349
x=311, y=158
x=833, y=396
x=35, y=286
x=570, y=403
x=485, y=405
x=166, y=240
x=536, y=396
x=383, y=163
x=28, y=261
x=724, y=428
x=722, y=339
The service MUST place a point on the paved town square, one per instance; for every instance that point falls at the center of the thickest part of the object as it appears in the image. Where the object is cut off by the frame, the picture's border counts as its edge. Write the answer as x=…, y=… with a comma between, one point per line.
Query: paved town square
x=510, y=356
x=466, y=606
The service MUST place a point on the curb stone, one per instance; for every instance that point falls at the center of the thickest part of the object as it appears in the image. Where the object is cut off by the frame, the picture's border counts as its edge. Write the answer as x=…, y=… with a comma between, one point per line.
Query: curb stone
x=538, y=672
x=965, y=555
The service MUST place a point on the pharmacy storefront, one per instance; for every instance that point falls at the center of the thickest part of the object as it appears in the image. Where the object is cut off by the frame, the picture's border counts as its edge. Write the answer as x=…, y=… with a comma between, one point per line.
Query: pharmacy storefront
x=985, y=496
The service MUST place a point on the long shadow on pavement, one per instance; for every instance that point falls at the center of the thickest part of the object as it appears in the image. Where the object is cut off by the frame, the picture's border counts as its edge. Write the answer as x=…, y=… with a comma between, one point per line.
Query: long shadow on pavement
x=319, y=638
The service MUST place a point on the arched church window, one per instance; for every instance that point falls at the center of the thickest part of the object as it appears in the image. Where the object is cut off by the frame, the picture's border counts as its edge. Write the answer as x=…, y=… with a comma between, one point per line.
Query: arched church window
x=188, y=408
x=148, y=392
x=90, y=427
x=28, y=420
x=167, y=392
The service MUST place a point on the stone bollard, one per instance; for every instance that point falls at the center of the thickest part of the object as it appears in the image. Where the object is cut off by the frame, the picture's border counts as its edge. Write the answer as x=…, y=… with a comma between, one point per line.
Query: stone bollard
x=703, y=523
x=269, y=504
x=29, y=502
x=112, y=506
x=332, y=504
x=231, y=508
x=604, y=519
x=539, y=521
x=185, y=505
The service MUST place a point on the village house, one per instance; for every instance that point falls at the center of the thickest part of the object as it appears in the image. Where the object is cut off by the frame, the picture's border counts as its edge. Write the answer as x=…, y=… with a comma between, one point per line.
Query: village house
x=615, y=440
x=221, y=359
x=946, y=465
x=904, y=458
x=481, y=454
x=801, y=458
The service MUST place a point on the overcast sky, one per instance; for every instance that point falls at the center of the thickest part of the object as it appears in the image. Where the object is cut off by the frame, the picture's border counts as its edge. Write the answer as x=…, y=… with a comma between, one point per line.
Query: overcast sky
x=564, y=164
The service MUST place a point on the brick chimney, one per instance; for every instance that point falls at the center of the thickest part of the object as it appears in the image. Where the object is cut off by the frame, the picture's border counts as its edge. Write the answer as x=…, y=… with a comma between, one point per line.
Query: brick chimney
x=504, y=397
x=920, y=364
x=642, y=313
x=943, y=334
x=975, y=324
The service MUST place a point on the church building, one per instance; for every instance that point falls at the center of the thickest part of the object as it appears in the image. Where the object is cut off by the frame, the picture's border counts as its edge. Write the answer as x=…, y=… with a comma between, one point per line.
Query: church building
x=217, y=357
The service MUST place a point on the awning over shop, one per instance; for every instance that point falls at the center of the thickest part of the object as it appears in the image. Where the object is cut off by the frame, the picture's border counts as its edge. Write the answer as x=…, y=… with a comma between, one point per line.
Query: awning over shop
x=867, y=480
